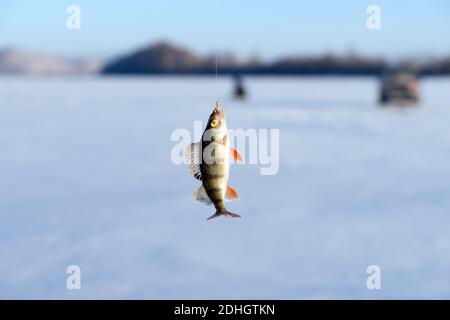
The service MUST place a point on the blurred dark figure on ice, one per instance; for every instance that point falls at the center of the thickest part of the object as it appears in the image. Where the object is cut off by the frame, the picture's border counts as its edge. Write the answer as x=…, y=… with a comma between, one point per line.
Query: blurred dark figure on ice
x=239, y=91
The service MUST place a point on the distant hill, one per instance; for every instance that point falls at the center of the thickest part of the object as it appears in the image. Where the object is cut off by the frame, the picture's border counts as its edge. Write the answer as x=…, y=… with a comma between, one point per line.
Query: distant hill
x=28, y=62
x=159, y=58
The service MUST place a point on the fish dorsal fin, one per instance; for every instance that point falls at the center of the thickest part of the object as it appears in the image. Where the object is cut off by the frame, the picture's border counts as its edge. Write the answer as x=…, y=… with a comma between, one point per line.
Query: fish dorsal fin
x=192, y=158
x=202, y=196
x=231, y=194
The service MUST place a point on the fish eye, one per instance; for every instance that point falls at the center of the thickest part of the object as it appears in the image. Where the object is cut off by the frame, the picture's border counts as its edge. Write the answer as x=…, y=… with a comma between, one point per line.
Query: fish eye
x=214, y=123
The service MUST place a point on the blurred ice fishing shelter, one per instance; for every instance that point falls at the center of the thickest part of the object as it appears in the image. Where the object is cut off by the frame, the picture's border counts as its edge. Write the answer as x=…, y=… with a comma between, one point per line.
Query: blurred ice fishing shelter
x=399, y=89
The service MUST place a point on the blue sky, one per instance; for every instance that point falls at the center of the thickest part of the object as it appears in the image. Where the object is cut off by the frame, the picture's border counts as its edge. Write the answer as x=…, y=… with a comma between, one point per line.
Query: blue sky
x=268, y=28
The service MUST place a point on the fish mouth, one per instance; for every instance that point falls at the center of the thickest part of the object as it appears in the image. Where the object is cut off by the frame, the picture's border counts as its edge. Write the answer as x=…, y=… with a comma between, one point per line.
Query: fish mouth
x=218, y=112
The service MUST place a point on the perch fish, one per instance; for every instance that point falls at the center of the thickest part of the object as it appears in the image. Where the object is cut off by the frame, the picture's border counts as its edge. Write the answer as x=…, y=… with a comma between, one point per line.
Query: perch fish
x=209, y=161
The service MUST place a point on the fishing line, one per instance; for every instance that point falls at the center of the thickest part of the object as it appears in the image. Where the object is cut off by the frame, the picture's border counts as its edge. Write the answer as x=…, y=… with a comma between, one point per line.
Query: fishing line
x=217, y=49
x=215, y=4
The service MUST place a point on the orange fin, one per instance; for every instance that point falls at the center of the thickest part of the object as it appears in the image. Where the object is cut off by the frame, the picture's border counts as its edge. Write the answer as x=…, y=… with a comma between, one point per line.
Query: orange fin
x=235, y=154
x=202, y=196
x=231, y=194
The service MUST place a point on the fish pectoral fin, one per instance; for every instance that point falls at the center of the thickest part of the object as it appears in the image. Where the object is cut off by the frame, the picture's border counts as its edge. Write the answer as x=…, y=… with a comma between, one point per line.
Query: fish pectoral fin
x=192, y=159
x=235, y=154
x=202, y=196
x=231, y=194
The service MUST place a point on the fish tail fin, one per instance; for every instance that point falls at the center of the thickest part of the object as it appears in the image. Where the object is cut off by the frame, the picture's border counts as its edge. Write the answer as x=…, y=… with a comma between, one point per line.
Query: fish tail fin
x=215, y=215
x=231, y=214
x=224, y=213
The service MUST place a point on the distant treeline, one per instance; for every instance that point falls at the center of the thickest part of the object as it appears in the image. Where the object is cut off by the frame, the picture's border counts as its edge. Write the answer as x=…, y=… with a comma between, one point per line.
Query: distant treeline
x=163, y=58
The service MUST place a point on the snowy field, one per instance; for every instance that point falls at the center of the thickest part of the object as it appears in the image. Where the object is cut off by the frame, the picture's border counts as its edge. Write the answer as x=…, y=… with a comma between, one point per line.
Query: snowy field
x=86, y=179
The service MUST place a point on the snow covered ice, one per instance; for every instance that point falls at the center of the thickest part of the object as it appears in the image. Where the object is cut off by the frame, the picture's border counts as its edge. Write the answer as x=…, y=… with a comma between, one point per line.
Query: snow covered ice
x=86, y=178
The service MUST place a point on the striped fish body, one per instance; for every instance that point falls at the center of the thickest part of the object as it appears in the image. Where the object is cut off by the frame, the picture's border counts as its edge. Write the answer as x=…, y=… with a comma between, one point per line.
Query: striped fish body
x=215, y=165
